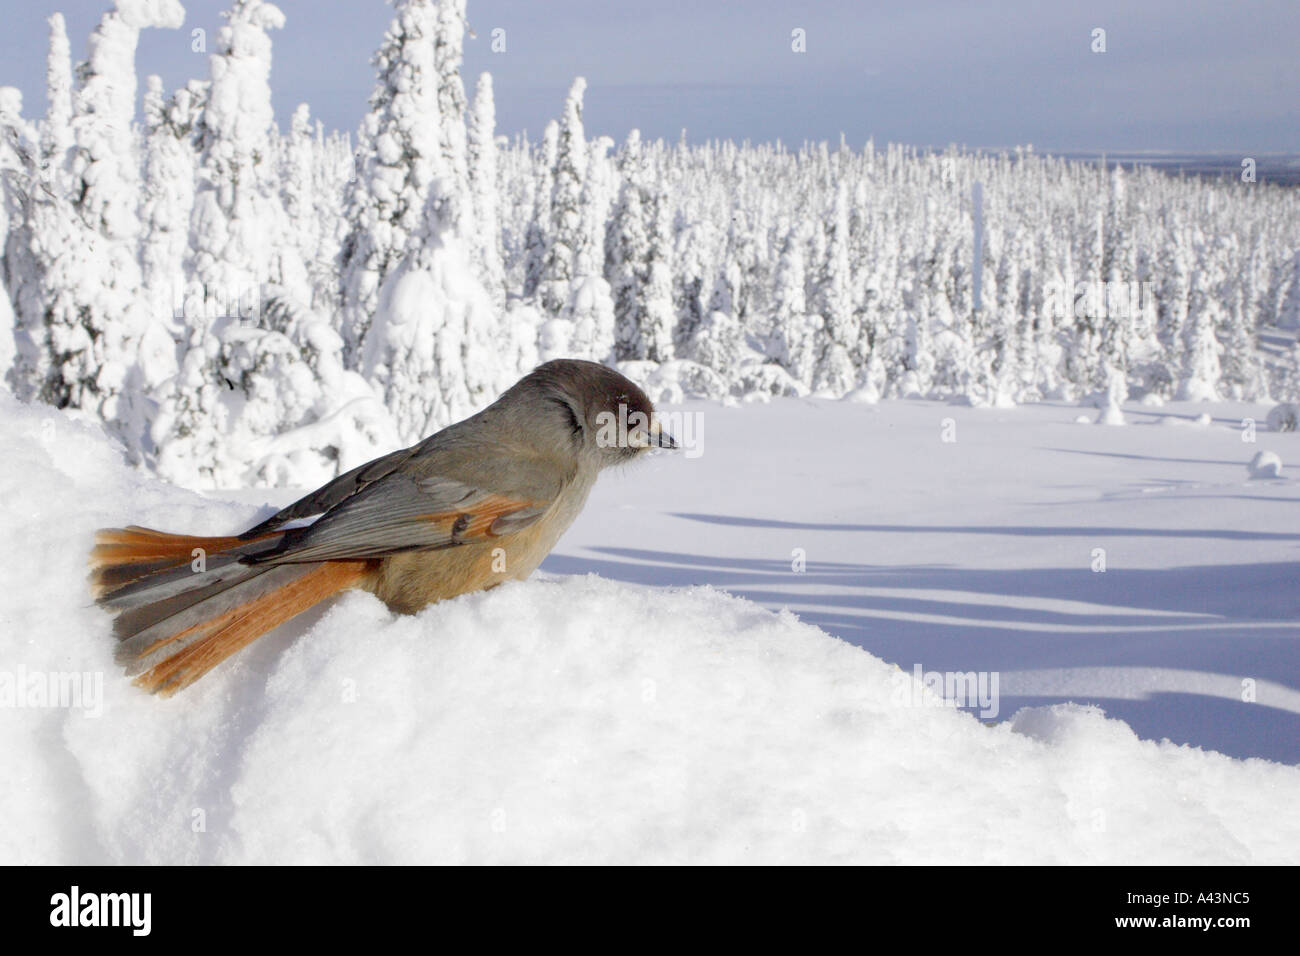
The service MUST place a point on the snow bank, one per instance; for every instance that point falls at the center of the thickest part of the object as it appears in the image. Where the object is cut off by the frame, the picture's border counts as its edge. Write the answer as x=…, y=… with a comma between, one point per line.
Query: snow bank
x=568, y=719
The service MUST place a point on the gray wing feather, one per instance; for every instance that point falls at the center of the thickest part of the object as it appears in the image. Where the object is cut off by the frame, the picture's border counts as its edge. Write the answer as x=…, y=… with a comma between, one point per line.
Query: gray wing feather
x=336, y=492
x=399, y=513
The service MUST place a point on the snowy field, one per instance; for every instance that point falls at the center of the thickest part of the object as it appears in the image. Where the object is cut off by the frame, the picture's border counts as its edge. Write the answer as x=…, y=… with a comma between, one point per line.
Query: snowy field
x=978, y=554
x=641, y=714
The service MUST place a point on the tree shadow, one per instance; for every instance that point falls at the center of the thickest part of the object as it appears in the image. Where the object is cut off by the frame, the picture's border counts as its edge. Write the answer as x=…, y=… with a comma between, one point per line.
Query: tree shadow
x=1135, y=457
x=1033, y=531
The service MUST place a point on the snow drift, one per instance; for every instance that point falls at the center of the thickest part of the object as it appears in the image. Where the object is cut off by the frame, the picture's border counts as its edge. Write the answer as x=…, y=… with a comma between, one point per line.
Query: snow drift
x=556, y=720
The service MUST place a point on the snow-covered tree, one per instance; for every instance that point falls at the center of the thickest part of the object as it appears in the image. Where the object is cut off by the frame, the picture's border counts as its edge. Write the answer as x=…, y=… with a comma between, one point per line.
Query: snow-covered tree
x=1200, y=381
x=19, y=269
x=537, y=239
x=564, y=237
x=836, y=371
x=413, y=277
x=590, y=305
x=795, y=329
x=658, y=317
x=56, y=131
x=430, y=350
x=238, y=224
x=30, y=206
x=449, y=43
x=299, y=188
x=254, y=352
x=489, y=257
x=399, y=155
x=167, y=195
x=1175, y=266
x=627, y=255
x=82, y=350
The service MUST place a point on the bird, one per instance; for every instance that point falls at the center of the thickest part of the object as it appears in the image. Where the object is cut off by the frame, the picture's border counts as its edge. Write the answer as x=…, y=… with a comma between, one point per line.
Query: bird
x=480, y=502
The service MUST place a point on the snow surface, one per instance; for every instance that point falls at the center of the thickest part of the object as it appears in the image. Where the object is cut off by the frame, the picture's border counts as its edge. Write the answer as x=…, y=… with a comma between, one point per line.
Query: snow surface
x=640, y=715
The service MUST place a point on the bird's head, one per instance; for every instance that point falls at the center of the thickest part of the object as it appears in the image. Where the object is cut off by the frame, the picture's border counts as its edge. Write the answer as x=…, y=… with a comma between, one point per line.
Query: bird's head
x=604, y=416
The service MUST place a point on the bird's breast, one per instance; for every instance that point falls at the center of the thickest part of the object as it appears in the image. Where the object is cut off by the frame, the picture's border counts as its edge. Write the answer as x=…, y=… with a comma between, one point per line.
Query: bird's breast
x=411, y=580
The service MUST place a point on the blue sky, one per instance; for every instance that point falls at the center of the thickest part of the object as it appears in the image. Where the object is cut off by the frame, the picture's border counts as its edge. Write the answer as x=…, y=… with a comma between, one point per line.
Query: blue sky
x=1180, y=75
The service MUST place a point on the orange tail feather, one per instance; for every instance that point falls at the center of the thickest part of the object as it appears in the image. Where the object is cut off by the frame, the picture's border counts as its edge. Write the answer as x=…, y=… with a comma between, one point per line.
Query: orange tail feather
x=177, y=618
x=123, y=555
x=238, y=627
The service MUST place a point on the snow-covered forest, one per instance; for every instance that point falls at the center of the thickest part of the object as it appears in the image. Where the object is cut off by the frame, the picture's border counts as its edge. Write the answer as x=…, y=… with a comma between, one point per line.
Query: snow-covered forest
x=242, y=304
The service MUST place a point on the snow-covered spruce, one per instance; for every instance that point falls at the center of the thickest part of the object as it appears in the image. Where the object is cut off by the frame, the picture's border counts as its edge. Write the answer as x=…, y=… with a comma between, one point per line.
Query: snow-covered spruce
x=134, y=258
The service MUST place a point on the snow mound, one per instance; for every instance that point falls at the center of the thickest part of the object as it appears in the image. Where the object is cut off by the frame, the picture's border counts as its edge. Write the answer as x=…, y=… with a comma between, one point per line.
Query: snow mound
x=558, y=720
x=865, y=395
x=1265, y=464
x=1203, y=420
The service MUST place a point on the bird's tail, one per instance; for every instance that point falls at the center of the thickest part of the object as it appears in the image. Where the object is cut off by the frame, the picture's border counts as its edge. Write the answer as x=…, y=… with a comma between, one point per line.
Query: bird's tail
x=184, y=604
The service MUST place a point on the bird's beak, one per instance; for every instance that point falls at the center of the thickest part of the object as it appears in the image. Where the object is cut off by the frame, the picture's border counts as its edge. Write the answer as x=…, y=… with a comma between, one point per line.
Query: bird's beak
x=652, y=437
x=661, y=439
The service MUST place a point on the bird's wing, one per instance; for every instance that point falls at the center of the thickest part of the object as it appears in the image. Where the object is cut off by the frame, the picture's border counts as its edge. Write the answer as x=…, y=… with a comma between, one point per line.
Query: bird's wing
x=335, y=492
x=414, y=508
